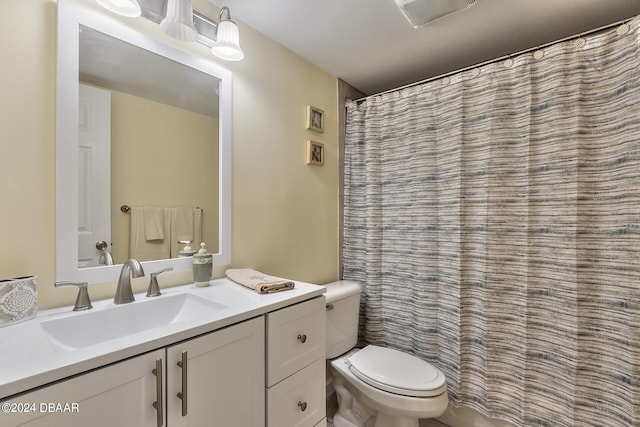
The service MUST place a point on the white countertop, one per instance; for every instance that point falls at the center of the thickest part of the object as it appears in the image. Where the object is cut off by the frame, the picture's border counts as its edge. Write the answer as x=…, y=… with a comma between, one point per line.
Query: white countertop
x=28, y=358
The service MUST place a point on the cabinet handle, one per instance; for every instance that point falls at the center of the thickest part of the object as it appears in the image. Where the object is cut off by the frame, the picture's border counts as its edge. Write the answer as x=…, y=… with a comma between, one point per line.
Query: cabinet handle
x=183, y=394
x=302, y=338
x=302, y=406
x=158, y=403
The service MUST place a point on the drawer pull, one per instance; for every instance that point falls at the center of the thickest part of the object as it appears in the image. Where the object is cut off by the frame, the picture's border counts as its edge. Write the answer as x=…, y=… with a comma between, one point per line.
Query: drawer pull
x=302, y=338
x=158, y=403
x=182, y=395
x=329, y=307
x=302, y=406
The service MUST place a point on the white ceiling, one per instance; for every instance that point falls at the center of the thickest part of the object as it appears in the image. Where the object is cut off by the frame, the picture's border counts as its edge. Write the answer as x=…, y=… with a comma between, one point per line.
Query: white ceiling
x=370, y=45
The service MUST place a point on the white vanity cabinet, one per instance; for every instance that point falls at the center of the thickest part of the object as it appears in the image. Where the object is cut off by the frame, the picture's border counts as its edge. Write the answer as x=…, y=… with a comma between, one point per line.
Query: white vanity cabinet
x=117, y=395
x=220, y=378
x=258, y=363
x=296, y=365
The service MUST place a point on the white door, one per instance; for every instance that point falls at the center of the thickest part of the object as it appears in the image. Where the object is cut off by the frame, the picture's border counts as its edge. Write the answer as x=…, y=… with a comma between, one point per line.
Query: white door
x=119, y=395
x=224, y=382
x=94, y=163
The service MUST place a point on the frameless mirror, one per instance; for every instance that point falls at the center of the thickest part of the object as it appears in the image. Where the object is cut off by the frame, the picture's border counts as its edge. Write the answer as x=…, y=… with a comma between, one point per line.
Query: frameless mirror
x=140, y=124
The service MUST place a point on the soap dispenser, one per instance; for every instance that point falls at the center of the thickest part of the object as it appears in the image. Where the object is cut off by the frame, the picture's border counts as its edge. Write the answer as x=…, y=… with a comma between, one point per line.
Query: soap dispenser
x=202, y=266
x=187, y=251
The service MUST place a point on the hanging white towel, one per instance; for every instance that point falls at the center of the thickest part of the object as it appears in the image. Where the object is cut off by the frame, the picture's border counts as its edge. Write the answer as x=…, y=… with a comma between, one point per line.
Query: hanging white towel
x=145, y=250
x=197, y=225
x=186, y=224
x=153, y=223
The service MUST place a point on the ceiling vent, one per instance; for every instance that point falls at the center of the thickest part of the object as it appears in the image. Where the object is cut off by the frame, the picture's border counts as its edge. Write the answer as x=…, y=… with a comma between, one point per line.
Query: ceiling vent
x=420, y=12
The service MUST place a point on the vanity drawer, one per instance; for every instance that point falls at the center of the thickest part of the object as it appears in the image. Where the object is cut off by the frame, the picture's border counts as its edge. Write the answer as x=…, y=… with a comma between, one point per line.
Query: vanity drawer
x=295, y=338
x=298, y=401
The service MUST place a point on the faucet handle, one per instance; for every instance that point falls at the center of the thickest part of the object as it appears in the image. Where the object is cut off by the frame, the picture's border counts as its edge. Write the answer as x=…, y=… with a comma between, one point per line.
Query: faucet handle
x=82, y=301
x=154, y=288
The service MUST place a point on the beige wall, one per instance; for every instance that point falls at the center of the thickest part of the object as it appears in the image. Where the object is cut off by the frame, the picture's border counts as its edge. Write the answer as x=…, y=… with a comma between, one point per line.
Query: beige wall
x=284, y=211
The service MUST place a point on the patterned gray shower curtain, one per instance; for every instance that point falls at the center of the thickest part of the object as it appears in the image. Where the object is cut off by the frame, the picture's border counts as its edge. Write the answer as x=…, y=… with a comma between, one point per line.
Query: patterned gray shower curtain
x=493, y=217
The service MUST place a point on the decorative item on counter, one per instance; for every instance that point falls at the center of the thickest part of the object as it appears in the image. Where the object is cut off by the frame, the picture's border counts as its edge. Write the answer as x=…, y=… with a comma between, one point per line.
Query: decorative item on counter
x=18, y=300
x=202, y=266
x=187, y=251
x=259, y=282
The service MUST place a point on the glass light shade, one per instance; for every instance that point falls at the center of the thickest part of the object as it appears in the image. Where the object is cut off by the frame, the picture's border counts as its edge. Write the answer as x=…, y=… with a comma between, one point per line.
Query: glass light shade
x=227, y=44
x=420, y=12
x=178, y=21
x=128, y=8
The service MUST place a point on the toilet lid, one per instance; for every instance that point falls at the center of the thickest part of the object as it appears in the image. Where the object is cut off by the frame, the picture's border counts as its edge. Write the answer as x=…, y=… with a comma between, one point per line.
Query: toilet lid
x=397, y=372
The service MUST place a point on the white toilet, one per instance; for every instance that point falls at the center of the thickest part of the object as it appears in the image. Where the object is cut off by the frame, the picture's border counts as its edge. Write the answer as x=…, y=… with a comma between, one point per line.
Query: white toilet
x=376, y=386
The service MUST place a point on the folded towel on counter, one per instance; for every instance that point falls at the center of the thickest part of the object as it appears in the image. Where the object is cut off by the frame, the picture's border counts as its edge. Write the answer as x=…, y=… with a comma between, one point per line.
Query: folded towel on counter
x=261, y=283
x=153, y=223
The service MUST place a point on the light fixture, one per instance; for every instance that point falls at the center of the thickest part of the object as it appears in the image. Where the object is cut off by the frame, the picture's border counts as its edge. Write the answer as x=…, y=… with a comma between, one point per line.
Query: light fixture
x=128, y=8
x=178, y=21
x=420, y=12
x=227, y=44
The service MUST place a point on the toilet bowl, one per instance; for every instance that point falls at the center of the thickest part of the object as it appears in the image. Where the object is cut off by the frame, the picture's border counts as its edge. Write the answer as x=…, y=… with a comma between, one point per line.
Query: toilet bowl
x=376, y=386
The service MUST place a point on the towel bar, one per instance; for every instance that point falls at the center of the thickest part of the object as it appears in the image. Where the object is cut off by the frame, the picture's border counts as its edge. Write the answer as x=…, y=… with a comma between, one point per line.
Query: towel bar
x=127, y=209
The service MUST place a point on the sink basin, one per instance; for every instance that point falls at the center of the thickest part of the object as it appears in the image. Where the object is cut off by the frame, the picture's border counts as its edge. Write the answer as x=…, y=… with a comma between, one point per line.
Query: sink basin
x=94, y=327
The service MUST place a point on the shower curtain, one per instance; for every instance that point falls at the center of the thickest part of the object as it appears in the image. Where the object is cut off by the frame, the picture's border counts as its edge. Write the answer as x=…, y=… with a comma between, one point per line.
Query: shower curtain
x=493, y=217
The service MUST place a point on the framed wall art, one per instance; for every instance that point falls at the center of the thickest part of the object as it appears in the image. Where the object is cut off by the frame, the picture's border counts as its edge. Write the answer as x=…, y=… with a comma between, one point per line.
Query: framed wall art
x=315, y=153
x=315, y=118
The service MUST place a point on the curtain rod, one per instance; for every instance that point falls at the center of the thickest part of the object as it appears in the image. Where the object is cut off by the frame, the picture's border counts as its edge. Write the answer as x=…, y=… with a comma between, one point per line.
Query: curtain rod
x=470, y=67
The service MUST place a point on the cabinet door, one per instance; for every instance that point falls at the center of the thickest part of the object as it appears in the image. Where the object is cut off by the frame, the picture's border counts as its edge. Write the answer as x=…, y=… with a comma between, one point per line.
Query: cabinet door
x=299, y=400
x=224, y=378
x=122, y=394
x=296, y=337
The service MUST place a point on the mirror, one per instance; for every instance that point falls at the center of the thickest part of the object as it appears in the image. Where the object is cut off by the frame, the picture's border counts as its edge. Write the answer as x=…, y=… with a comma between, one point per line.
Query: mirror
x=135, y=107
x=167, y=145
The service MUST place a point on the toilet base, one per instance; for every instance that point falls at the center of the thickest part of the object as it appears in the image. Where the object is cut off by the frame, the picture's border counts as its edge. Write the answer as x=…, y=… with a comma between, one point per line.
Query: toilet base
x=351, y=413
x=383, y=420
x=339, y=421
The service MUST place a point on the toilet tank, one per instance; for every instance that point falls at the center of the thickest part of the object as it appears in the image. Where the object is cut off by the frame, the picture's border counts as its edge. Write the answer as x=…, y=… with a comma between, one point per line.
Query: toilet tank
x=343, y=307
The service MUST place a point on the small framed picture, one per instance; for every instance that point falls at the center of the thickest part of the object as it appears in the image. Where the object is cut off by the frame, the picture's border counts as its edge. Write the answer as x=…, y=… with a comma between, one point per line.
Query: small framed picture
x=315, y=118
x=315, y=153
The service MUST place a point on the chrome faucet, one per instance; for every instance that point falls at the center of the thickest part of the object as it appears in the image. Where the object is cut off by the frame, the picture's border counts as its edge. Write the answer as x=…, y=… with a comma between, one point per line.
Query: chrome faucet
x=105, y=256
x=124, y=294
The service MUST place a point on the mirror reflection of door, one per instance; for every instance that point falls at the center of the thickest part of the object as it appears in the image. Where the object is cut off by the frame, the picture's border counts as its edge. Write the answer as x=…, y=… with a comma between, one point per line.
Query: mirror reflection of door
x=94, y=189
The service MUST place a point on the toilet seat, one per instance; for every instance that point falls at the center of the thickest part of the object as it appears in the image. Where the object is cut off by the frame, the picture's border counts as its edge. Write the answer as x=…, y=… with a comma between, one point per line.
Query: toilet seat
x=396, y=372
